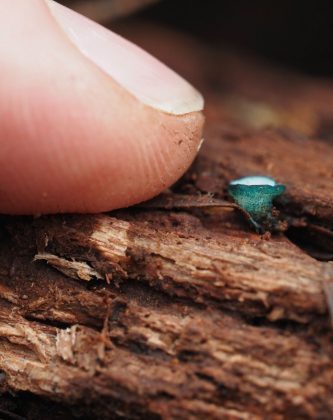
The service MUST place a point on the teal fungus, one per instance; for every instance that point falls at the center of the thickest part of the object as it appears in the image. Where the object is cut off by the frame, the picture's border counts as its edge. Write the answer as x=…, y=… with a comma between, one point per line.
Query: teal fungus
x=255, y=195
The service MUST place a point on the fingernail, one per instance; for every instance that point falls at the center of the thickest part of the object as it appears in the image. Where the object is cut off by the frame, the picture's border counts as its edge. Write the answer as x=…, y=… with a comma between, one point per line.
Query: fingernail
x=149, y=80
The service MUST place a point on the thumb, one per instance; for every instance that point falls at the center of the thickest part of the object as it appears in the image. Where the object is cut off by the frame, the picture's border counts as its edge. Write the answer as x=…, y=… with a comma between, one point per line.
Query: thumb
x=89, y=122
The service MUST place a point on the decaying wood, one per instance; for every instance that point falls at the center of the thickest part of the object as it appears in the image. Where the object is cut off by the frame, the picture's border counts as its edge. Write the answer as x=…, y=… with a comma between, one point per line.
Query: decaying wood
x=222, y=267
x=140, y=352
x=176, y=309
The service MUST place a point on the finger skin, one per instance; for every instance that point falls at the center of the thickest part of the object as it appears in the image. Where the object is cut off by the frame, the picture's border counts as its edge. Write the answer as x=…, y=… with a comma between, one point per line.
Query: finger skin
x=72, y=139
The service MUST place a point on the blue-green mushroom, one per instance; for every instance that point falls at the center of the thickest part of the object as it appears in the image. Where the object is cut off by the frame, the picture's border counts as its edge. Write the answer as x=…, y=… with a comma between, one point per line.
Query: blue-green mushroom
x=255, y=195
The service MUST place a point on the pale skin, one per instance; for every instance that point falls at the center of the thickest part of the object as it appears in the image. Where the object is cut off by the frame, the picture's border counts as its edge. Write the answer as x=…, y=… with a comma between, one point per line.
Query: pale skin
x=86, y=135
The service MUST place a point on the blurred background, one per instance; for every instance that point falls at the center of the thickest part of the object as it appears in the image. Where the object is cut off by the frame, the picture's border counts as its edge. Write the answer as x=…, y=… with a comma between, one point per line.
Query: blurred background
x=292, y=33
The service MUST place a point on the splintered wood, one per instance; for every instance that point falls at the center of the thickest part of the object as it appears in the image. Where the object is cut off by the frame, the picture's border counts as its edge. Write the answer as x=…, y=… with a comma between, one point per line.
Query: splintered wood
x=176, y=309
x=222, y=268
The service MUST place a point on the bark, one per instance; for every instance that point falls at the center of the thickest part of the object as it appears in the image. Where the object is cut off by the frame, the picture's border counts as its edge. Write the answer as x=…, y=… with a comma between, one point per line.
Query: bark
x=176, y=308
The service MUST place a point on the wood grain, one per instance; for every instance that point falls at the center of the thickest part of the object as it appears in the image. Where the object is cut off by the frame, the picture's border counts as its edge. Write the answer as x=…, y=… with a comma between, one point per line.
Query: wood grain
x=177, y=309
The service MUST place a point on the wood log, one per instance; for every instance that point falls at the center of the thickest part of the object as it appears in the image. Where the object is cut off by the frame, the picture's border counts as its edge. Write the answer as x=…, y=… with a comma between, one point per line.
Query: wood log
x=180, y=310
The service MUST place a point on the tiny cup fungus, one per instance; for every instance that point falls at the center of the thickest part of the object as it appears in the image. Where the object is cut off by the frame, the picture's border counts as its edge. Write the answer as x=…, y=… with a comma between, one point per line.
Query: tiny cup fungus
x=255, y=195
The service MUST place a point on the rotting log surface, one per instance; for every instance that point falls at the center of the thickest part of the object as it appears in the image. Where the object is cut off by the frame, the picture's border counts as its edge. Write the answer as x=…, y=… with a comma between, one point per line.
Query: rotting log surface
x=185, y=313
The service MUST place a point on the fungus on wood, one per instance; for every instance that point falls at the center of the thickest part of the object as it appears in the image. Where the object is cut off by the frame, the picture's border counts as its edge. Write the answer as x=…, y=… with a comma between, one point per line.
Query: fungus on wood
x=177, y=308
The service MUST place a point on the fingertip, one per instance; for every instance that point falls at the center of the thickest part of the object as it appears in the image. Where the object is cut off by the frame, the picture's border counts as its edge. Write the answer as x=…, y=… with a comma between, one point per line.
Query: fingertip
x=74, y=139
